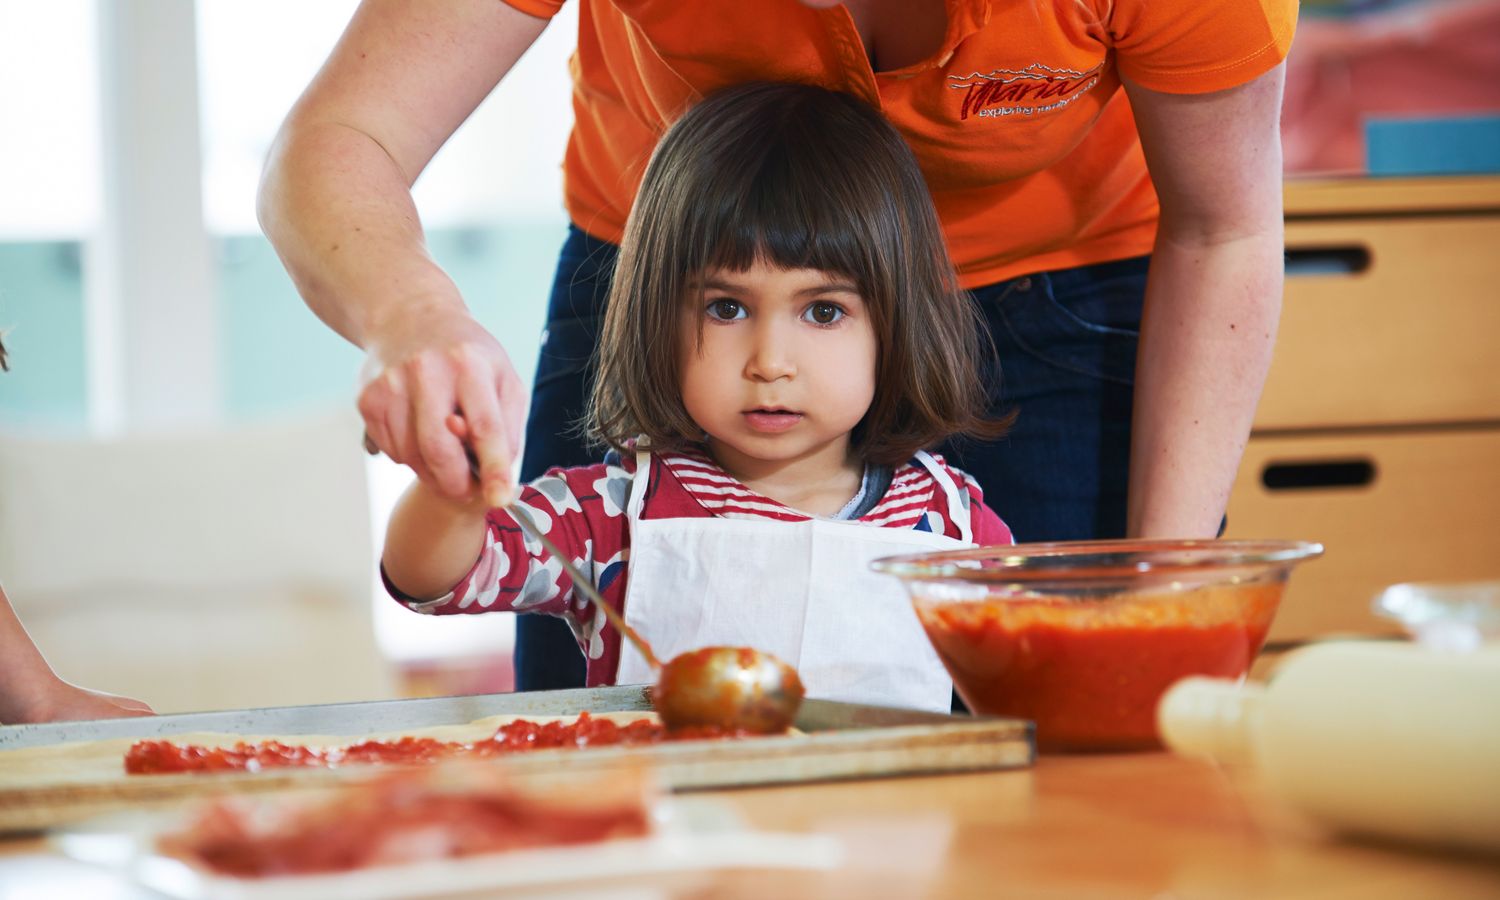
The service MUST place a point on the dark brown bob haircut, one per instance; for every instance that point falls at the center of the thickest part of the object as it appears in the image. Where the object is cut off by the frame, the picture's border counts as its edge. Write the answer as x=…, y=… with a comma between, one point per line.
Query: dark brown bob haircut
x=798, y=177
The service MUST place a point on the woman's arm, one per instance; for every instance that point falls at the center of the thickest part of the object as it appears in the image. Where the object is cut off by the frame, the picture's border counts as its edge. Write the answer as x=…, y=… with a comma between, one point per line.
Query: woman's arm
x=1212, y=302
x=31, y=692
x=335, y=200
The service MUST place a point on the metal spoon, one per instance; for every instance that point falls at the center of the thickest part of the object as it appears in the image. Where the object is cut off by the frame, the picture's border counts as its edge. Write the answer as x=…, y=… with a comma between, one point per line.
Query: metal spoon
x=734, y=688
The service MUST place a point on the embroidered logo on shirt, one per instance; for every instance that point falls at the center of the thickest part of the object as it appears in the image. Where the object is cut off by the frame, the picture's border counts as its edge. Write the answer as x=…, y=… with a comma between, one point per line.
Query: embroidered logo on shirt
x=1021, y=92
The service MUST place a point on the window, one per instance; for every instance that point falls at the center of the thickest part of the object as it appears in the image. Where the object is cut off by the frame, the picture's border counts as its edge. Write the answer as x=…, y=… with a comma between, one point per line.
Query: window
x=491, y=203
x=49, y=179
x=83, y=187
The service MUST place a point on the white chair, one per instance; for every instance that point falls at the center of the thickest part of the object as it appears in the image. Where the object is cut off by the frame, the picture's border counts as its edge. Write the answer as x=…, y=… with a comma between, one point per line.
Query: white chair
x=211, y=570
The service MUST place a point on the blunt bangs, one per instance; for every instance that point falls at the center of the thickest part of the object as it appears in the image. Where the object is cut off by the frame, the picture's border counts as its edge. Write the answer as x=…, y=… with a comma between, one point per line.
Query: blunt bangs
x=786, y=193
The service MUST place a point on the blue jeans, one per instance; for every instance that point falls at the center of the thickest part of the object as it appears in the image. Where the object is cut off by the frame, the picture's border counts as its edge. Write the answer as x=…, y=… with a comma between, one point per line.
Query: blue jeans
x=546, y=654
x=1066, y=342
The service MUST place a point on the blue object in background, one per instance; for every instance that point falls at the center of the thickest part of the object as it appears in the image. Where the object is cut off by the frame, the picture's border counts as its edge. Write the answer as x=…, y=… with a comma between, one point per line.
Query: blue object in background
x=276, y=356
x=41, y=314
x=279, y=358
x=1468, y=145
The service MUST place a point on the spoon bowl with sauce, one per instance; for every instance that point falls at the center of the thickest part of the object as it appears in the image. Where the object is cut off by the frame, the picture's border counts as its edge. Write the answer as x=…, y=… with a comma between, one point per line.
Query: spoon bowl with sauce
x=733, y=688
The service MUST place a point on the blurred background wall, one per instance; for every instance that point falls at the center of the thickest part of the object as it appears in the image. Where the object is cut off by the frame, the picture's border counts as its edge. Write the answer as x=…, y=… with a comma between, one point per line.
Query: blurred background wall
x=143, y=308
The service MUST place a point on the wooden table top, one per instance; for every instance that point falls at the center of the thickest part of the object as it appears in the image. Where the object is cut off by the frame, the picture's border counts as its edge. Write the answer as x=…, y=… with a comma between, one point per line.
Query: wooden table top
x=1139, y=825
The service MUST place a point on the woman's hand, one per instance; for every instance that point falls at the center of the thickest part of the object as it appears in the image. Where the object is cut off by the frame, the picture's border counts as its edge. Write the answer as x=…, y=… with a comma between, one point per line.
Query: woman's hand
x=422, y=369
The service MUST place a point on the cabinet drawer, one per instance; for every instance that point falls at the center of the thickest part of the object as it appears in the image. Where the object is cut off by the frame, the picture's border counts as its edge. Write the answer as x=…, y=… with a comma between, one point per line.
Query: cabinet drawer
x=1417, y=506
x=1408, y=336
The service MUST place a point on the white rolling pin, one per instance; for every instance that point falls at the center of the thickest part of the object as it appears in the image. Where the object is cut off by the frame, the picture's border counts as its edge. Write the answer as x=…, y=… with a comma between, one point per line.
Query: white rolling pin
x=1384, y=739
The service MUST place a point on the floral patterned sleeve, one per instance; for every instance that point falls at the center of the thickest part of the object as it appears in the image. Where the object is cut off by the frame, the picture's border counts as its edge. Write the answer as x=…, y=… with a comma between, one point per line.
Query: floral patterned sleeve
x=582, y=510
x=989, y=529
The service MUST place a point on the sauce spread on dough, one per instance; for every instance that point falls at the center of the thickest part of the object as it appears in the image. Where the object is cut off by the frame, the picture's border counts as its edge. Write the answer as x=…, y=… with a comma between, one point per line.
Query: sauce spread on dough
x=396, y=819
x=521, y=735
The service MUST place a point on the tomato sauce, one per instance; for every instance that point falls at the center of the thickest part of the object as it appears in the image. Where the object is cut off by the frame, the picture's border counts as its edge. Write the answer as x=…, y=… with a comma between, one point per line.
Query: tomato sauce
x=395, y=820
x=1091, y=680
x=519, y=736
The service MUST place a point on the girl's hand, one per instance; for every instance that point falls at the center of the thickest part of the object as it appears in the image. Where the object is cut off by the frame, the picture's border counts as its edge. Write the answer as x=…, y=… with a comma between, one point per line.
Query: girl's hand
x=426, y=368
x=64, y=702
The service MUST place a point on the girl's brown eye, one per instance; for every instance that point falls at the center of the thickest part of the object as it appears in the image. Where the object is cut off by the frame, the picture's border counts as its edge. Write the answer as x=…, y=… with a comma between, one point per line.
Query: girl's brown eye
x=824, y=313
x=725, y=309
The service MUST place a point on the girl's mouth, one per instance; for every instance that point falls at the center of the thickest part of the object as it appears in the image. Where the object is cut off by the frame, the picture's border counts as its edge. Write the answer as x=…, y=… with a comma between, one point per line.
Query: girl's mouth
x=771, y=421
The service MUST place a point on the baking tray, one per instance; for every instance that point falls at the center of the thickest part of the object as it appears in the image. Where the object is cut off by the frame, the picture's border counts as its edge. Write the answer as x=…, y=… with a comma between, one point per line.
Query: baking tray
x=837, y=741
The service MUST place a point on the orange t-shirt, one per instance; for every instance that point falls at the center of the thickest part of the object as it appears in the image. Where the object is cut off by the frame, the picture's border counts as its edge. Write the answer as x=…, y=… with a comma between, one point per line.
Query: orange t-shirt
x=1019, y=124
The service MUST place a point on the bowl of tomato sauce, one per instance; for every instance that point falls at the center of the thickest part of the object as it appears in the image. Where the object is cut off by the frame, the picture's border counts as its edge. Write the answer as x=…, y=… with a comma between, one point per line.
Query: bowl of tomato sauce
x=1083, y=637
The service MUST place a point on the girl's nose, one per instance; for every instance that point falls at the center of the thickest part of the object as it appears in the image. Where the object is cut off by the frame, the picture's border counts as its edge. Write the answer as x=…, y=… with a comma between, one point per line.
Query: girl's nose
x=771, y=357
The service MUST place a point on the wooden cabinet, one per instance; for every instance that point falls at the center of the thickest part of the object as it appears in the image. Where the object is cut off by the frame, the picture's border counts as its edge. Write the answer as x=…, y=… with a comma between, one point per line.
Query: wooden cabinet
x=1379, y=430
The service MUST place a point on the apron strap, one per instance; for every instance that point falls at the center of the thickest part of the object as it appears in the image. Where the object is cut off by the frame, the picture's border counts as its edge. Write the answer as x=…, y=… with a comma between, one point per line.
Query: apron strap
x=638, y=484
x=958, y=510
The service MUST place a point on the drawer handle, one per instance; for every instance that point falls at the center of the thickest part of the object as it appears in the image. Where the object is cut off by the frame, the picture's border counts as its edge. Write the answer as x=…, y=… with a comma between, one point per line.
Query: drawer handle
x=1325, y=261
x=1333, y=473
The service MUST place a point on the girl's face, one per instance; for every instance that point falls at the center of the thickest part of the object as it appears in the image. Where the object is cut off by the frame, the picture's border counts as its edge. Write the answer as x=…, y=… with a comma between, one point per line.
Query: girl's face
x=785, y=368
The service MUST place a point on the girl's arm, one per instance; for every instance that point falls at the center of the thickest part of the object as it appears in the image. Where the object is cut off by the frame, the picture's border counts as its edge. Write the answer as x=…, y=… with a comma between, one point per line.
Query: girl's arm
x=1212, y=301
x=432, y=542
x=31, y=692
x=335, y=200
x=444, y=558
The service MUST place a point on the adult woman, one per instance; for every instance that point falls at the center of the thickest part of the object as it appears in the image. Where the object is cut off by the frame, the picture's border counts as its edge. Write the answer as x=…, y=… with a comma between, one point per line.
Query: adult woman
x=1016, y=114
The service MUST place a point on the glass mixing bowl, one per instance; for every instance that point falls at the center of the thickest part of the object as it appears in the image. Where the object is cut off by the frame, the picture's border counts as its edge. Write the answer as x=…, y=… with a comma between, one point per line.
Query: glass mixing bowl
x=1452, y=616
x=1084, y=637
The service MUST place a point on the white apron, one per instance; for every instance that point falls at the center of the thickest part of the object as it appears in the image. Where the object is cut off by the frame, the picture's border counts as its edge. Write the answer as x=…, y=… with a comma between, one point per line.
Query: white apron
x=801, y=590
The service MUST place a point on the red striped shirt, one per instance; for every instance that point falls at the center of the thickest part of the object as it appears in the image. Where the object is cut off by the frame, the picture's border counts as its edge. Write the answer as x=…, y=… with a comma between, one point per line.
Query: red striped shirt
x=583, y=511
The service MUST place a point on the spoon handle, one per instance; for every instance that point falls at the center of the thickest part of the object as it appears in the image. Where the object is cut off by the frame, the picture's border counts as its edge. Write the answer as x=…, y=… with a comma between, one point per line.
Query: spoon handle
x=582, y=583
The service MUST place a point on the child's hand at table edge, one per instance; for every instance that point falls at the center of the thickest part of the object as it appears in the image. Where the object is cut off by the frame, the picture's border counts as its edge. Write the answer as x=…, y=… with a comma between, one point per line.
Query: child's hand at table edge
x=64, y=702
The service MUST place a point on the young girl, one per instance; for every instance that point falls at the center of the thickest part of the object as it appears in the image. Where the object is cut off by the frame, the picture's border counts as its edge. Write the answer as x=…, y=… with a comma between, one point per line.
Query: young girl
x=783, y=337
